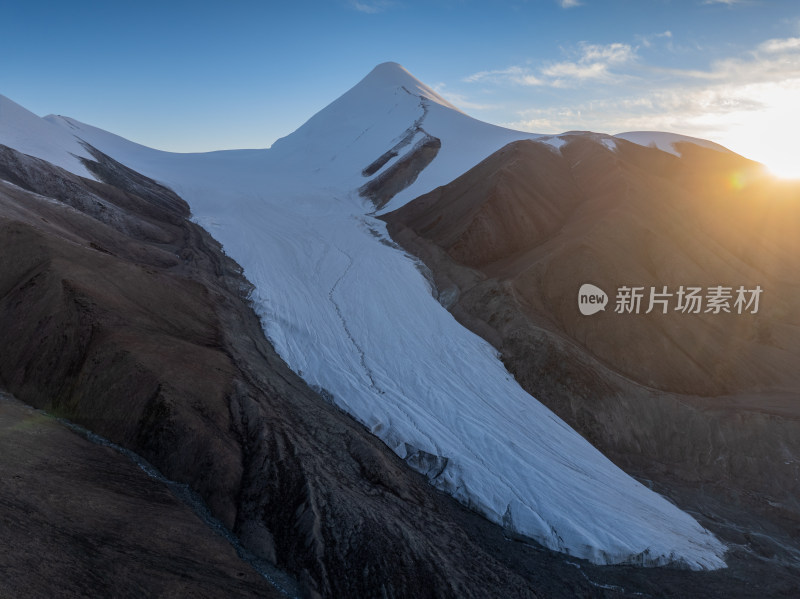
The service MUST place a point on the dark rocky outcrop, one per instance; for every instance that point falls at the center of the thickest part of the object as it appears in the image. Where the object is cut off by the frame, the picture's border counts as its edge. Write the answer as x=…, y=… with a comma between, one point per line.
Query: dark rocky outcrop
x=381, y=189
x=78, y=519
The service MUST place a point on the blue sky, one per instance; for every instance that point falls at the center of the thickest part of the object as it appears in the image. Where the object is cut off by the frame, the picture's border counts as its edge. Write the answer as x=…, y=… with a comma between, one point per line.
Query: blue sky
x=195, y=76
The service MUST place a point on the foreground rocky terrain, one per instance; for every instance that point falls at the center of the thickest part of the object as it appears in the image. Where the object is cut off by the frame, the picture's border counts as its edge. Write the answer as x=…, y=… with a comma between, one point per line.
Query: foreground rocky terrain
x=79, y=519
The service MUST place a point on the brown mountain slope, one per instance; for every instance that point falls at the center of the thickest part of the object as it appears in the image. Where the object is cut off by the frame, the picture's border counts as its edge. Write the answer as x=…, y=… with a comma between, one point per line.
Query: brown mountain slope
x=79, y=519
x=549, y=222
x=706, y=405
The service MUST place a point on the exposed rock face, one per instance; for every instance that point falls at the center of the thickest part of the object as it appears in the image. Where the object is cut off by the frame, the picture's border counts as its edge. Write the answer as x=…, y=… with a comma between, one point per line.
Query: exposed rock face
x=401, y=174
x=78, y=519
x=705, y=405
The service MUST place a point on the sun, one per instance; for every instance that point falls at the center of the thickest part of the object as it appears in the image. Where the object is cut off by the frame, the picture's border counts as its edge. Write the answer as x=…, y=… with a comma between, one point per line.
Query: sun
x=777, y=148
x=767, y=131
x=785, y=171
x=778, y=151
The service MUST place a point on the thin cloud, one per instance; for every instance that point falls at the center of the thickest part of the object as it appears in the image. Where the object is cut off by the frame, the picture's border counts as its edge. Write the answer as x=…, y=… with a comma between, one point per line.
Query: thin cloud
x=663, y=110
x=780, y=45
x=569, y=3
x=515, y=74
x=772, y=60
x=732, y=3
x=733, y=85
x=572, y=70
x=594, y=63
x=611, y=53
x=647, y=40
x=460, y=100
x=371, y=8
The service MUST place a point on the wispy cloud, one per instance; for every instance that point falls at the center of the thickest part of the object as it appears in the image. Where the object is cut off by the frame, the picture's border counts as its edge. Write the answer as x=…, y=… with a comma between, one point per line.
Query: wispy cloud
x=664, y=109
x=593, y=62
x=648, y=40
x=730, y=86
x=726, y=2
x=569, y=3
x=611, y=53
x=460, y=100
x=371, y=7
x=561, y=72
x=516, y=74
x=772, y=60
x=780, y=45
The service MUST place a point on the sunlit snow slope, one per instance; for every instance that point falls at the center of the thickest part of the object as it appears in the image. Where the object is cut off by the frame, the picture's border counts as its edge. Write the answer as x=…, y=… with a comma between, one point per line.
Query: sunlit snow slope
x=668, y=142
x=27, y=133
x=356, y=318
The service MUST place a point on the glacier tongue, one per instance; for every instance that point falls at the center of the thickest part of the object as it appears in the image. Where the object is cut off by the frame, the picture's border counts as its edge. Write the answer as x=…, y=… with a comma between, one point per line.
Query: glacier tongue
x=354, y=316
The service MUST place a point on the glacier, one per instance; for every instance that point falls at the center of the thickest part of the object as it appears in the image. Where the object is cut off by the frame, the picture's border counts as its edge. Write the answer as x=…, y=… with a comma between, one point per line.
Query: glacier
x=354, y=315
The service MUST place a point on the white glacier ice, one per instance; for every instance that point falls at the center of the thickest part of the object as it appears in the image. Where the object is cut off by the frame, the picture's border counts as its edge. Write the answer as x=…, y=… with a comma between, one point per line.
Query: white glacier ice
x=354, y=315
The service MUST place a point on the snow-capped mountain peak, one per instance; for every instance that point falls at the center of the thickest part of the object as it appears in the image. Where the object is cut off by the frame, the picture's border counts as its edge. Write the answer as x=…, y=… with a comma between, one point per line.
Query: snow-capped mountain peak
x=353, y=314
x=391, y=76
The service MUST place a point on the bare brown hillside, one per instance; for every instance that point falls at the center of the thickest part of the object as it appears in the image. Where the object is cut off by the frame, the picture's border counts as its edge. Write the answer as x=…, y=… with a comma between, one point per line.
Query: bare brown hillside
x=546, y=222
x=705, y=405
